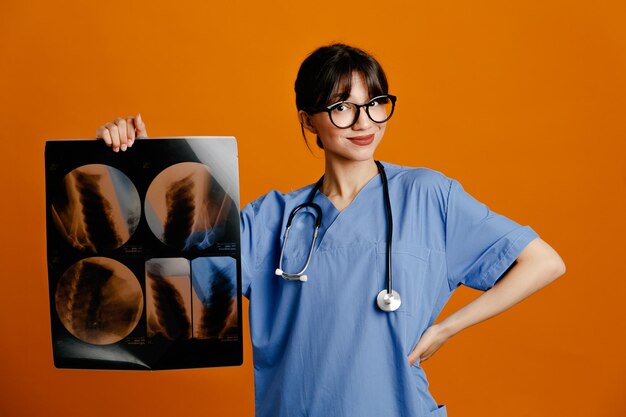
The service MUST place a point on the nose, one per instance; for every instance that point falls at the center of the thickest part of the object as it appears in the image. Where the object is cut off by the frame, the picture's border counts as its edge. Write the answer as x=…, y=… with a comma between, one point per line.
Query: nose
x=363, y=122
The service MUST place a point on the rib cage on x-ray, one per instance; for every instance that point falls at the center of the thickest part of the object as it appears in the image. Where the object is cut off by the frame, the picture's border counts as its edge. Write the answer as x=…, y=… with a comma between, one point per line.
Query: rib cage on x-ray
x=170, y=317
x=179, y=199
x=217, y=309
x=96, y=213
x=98, y=300
x=186, y=208
x=97, y=208
x=80, y=300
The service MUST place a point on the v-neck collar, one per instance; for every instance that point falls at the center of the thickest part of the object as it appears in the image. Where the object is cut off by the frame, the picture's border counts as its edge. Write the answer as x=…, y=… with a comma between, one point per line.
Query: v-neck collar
x=331, y=216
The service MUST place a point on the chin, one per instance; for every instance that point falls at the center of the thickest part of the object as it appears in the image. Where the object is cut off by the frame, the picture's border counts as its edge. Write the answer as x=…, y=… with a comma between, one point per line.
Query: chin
x=364, y=156
x=360, y=155
x=363, y=153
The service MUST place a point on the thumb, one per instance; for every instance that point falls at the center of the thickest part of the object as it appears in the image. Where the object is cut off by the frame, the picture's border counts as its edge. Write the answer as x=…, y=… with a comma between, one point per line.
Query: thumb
x=140, y=127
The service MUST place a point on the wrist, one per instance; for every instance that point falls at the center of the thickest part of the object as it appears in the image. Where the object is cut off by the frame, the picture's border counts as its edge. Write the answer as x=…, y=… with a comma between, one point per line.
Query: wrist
x=447, y=328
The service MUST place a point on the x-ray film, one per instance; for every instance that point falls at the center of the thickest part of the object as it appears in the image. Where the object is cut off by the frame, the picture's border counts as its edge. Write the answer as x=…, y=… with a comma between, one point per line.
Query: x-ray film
x=144, y=262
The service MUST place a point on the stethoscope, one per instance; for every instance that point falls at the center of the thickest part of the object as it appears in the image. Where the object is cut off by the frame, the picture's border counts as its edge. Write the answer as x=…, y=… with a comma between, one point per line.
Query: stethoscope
x=388, y=299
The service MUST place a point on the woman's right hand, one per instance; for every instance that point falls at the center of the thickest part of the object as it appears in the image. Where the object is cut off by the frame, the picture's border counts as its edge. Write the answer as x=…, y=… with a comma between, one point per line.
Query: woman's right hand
x=121, y=133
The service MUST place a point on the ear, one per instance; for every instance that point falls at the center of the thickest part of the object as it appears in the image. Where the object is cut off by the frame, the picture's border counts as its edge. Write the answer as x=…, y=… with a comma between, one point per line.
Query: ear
x=305, y=121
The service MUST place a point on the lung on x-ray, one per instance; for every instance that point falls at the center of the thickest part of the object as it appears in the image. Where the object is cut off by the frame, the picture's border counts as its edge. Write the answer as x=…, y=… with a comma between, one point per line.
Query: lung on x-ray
x=144, y=265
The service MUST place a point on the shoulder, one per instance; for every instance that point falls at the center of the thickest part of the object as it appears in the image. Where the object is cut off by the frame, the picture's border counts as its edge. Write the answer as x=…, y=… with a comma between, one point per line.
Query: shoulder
x=418, y=177
x=273, y=204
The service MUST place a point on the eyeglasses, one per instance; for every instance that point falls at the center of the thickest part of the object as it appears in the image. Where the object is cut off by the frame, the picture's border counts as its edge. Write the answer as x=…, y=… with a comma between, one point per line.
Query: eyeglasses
x=345, y=114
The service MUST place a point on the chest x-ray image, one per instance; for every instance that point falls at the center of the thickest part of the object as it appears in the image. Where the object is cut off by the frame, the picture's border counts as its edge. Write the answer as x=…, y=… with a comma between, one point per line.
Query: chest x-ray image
x=144, y=265
x=186, y=208
x=191, y=299
x=99, y=300
x=97, y=208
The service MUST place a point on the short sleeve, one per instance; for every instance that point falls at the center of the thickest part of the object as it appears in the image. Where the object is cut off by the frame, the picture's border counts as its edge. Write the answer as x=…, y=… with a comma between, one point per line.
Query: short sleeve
x=481, y=245
x=248, y=263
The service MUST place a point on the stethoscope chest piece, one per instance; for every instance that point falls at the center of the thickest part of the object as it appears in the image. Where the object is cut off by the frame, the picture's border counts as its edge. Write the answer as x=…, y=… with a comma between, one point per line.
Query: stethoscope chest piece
x=388, y=302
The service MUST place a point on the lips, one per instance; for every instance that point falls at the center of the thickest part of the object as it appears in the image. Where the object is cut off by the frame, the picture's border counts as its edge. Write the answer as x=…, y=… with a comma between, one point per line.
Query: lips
x=362, y=140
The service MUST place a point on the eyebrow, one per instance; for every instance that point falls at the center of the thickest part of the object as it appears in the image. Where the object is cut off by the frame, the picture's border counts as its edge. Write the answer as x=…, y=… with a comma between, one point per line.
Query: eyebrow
x=338, y=96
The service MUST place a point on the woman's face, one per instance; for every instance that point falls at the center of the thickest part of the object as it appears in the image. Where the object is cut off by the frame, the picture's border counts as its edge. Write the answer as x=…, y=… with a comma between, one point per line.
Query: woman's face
x=356, y=143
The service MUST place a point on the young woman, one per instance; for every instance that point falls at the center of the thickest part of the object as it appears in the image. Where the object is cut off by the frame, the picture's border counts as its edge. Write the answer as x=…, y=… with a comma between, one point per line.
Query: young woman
x=345, y=337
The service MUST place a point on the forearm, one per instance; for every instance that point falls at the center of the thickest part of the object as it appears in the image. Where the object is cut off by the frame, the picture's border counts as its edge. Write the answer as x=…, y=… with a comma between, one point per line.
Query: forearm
x=524, y=278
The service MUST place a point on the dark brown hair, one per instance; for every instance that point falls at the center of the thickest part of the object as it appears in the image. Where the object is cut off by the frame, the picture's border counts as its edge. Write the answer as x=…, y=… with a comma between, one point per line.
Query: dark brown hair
x=325, y=77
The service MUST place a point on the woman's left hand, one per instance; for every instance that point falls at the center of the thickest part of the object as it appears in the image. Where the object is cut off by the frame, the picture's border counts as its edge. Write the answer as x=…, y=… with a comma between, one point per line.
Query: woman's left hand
x=432, y=339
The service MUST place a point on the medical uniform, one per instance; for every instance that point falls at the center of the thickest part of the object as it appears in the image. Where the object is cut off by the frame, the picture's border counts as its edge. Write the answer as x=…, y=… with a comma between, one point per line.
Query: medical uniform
x=322, y=348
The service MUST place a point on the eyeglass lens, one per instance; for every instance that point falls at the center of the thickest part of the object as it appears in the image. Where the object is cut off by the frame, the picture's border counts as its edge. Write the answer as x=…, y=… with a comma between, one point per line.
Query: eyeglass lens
x=345, y=113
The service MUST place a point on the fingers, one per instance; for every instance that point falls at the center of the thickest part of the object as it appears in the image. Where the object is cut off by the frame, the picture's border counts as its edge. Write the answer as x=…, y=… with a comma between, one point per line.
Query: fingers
x=121, y=129
x=429, y=343
x=420, y=357
x=140, y=127
x=130, y=130
x=413, y=357
x=103, y=133
x=122, y=132
x=109, y=132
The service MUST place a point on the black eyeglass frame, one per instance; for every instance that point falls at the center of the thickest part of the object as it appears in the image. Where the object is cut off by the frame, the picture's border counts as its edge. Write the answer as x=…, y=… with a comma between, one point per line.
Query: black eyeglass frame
x=329, y=109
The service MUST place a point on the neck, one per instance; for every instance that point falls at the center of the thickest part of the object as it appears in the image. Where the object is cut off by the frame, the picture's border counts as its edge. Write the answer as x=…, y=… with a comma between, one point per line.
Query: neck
x=343, y=180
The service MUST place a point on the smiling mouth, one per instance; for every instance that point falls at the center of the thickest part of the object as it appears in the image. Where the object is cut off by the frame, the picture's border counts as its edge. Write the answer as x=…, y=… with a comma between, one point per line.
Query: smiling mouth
x=362, y=140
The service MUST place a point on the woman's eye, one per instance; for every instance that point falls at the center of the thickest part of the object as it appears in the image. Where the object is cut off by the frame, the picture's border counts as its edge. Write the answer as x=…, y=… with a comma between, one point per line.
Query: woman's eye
x=341, y=108
x=378, y=102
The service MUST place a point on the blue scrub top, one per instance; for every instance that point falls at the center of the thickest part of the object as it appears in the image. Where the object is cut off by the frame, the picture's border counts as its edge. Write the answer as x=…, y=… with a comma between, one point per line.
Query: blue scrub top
x=322, y=348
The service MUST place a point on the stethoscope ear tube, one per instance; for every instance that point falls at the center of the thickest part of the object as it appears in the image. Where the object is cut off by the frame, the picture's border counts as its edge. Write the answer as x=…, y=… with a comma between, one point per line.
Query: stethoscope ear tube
x=318, y=212
x=300, y=275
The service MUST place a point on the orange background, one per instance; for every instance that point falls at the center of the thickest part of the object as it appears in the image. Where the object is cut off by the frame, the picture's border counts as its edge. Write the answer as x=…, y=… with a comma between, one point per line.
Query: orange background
x=522, y=101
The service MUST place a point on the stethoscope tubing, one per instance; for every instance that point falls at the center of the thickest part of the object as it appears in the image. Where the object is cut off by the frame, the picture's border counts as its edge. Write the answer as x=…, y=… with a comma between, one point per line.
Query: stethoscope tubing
x=387, y=300
x=383, y=177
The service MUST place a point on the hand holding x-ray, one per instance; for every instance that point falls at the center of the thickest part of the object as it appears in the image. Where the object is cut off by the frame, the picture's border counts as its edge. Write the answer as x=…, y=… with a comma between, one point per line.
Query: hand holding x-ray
x=122, y=132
